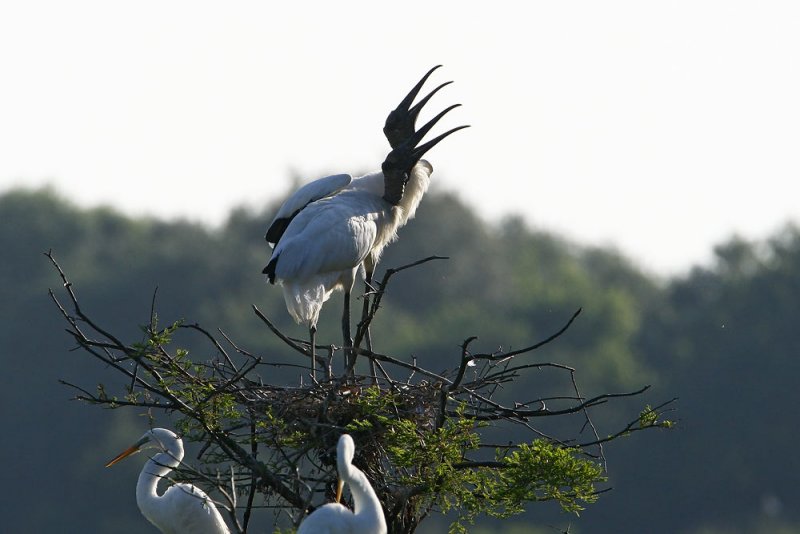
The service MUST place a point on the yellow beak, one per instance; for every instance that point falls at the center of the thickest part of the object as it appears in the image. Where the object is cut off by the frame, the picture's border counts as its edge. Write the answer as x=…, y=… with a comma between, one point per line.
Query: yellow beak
x=133, y=449
x=124, y=454
x=339, y=488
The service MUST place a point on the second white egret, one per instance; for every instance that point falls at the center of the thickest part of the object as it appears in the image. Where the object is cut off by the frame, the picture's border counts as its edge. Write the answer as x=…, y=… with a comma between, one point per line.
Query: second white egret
x=335, y=518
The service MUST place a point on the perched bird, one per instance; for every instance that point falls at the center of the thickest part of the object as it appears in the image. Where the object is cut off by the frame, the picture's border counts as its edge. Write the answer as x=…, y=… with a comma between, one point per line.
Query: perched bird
x=334, y=518
x=183, y=508
x=334, y=227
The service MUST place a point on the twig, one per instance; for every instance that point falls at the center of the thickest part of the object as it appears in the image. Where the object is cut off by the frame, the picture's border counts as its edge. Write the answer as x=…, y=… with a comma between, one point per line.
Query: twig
x=503, y=355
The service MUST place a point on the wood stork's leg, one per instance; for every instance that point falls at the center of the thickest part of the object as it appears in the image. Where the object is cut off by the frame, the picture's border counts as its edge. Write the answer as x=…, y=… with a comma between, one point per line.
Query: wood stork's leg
x=364, y=312
x=367, y=288
x=347, y=341
x=312, y=333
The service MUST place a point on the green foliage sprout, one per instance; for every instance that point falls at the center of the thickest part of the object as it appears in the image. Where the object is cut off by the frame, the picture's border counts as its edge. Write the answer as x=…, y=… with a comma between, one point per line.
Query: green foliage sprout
x=650, y=418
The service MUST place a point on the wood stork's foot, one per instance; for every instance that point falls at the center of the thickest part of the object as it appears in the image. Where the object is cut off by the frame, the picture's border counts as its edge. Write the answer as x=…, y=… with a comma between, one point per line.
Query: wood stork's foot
x=373, y=372
x=313, y=335
x=370, y=288
x=349, y=358
x=347, y=339
x=401, y=121
x=329, y=365
x=368, y=339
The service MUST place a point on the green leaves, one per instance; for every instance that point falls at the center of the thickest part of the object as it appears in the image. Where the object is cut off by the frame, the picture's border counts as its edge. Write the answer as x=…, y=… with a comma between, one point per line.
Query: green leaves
x=537, y=471
x=436, y=463
x=545, y=471
x=649, y=418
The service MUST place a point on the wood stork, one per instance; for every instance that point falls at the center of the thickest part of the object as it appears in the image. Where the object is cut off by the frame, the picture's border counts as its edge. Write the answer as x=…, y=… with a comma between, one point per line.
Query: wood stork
x=331, y=228
x=334, y=518
x=183, y=507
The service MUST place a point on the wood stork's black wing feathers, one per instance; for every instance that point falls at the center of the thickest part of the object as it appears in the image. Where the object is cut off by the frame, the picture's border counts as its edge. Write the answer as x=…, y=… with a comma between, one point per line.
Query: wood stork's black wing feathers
x=269, y=270
x=311, y=192
x=277, y=228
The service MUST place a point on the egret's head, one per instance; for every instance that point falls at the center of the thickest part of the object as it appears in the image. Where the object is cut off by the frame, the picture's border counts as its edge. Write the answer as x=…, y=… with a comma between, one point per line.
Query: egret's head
x=156, y=438
x=345, y=450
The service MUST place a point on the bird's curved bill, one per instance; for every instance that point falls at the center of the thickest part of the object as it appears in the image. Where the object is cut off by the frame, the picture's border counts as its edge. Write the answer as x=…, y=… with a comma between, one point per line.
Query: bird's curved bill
x=133, y=449
x=339, y=488
x=409, y=98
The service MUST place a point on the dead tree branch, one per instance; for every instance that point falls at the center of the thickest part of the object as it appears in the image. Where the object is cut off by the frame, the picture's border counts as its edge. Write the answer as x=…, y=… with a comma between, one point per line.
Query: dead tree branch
x=277, y=441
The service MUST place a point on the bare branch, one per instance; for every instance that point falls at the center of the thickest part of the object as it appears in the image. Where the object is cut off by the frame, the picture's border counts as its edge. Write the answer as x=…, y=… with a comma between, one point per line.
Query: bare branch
x=510, y=354
x=277, y=441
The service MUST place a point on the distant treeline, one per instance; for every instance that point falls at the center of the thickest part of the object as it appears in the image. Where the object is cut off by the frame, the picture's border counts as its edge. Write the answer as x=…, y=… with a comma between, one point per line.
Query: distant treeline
x=724, y=338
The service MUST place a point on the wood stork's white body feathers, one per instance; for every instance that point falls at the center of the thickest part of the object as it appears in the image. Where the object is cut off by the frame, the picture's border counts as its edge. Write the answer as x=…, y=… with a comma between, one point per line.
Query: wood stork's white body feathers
x=329, y=240
x=321, y=188
x=334, y=518
x=335, y=226
x=182, y=507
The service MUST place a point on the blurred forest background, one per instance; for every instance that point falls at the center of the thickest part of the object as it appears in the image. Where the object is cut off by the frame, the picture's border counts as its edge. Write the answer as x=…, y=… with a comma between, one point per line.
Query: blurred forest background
x=724, y=337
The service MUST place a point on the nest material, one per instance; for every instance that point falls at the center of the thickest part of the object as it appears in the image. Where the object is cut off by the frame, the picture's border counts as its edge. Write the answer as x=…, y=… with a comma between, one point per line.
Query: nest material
x=322, y=412
x=334, y=405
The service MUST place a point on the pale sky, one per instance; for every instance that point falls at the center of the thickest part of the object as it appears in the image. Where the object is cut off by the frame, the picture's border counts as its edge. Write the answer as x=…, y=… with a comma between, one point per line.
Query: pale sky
x=659, y=127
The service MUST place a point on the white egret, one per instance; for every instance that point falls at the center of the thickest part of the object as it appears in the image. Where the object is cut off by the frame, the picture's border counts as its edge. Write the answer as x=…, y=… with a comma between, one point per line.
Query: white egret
x=333, y=227
x=334, y=518
x=183, y=508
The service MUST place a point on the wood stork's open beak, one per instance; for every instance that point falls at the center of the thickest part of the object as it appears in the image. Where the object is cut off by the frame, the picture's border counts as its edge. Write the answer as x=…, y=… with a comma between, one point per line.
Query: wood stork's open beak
x=339, y=488
x=407, y=154
x=399, y=162
x=133, y=449
x=401, y=121
x=419, y=151
x=400, y=132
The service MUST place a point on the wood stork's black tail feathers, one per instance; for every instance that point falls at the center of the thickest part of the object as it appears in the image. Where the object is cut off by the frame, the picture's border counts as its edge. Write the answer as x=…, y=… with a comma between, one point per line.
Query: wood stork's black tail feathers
x=269, y=270
x=277, y=229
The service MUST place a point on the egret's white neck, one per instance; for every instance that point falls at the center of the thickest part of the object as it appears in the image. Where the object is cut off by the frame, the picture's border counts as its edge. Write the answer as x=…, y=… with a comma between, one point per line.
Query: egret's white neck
x=367, y=508
x=159, y=466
